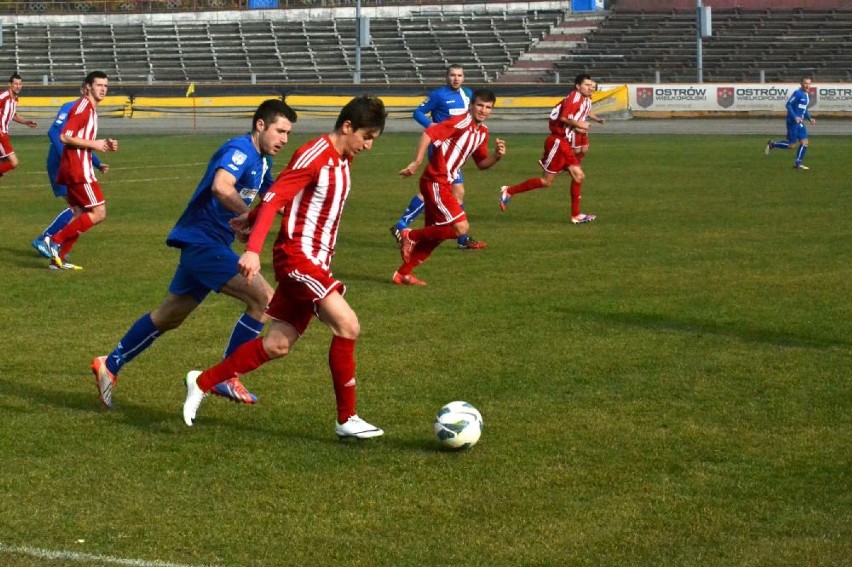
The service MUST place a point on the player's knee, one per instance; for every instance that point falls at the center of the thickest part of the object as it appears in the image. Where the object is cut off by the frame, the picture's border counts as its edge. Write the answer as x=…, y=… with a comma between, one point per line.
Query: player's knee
x=546, y=181
x=349, y=329
x=276, y=345
x=98, y=214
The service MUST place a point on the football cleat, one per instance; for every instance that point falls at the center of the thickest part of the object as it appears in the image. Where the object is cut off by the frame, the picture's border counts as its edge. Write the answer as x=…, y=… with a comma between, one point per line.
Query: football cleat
x=800, y=166
x=194, y=397
x=407, y=279
x=104, y=380
x=504, y=197
x=472, y=244
x=768, y=147
x=582, y=218
x=234, y=390
x=41, y=247
x=406, y=245
x=395, y=232
x=357, y=428
x=65, y=266
x=54, y=249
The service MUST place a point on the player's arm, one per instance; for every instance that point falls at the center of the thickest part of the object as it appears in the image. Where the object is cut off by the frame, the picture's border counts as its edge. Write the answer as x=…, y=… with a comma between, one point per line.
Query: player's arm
x=595, y=118
x=20, y=120
x=419, y=154
x=105, y=145
x=483, y=160
x=792, y=103
x=421, y=113
x=224, y=189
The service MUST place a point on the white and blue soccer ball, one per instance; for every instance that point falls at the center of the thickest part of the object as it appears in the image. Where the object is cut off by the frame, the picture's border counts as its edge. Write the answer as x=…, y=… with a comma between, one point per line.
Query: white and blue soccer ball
x=458, y=425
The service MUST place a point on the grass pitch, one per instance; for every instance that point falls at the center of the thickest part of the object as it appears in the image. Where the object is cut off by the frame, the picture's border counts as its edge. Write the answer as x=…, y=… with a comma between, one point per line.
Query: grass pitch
x=669, y=385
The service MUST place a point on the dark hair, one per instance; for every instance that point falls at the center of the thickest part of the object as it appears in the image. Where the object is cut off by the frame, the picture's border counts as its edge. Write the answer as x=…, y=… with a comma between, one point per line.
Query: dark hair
x=485, y=95
x=454, y=66
x=271, y=109
x=90, y=78
x=363, y=112
x=578, y=80
x=15, y=76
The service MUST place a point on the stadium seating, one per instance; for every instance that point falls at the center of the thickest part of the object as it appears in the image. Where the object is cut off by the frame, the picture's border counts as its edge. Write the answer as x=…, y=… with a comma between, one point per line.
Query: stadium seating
x=412, y=49
x=634, y=47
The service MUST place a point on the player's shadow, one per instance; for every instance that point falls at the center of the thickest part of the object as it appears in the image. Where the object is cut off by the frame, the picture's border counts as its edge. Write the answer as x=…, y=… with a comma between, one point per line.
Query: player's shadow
x=22, y=257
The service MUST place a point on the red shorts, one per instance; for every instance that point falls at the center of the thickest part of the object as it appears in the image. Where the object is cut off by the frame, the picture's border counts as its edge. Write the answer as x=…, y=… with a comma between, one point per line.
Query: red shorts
x=442, y=207
x=301, y=283
x=558, y=155
x=580, y=139
x=6, y=148
x=84, y=195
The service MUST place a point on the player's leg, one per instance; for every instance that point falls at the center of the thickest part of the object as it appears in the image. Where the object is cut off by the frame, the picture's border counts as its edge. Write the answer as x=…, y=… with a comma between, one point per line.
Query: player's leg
x=62, y=219
x=89, y=207
x=335, y=312
x=792, y=137
x=551, y=162
x=412, y=211
x=8, y=159
x=464, y=240
x=802, y=150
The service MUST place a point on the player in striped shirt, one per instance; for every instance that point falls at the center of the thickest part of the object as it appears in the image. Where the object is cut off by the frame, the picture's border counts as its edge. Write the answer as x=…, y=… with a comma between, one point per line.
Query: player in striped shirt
x=9, y=114
x=53, y=157
x=453, y=141
x=797, y=133
x=564, y=148
x=76, y=170
x=311, y=191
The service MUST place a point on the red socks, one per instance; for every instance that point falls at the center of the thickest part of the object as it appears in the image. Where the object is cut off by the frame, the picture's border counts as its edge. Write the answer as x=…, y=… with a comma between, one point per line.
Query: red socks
x=74, y=229
x=341, y=360
x=528, y=185
x=6, y=165
x=576, y=191
x=243, y=360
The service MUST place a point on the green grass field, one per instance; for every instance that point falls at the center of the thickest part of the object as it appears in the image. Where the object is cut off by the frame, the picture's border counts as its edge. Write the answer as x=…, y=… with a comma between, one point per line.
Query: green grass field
x=667, y=386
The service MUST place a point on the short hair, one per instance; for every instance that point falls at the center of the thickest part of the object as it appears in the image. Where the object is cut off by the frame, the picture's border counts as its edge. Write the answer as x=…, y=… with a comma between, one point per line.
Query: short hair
x=485, y=95
x=271, y=109
x=578, y=80
x=454, y=66
x=363, y=112
x=14, y=76
x=90, y=78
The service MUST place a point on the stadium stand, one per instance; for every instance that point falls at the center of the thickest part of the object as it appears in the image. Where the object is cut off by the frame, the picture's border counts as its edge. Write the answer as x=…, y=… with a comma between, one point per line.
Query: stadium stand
x=412, y=49
x=635, y=46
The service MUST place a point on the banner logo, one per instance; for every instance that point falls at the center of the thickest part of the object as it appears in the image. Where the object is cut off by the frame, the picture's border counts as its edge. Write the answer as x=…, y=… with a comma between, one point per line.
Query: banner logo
x=725, y=96
x=644, y=96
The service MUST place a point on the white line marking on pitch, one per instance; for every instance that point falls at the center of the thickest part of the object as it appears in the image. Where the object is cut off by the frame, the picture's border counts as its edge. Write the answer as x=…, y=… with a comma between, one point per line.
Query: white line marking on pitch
x=87, y=557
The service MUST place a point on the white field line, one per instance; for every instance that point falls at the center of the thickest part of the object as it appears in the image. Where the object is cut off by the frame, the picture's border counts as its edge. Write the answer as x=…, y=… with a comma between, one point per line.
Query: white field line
x=87, y=558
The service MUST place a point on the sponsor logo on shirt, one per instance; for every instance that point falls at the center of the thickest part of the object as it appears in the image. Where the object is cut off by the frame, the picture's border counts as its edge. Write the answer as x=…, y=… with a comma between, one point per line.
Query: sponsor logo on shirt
x=239, y=157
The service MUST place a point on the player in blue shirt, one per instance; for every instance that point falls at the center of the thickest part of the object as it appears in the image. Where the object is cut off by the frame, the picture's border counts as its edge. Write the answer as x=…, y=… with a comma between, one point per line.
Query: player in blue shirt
x=238, y=172
x=797, y=113
x=53, y=155
x=450, y=100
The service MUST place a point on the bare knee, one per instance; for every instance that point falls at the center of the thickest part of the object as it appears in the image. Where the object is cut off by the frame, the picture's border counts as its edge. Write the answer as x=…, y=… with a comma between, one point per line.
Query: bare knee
x=461, y=227
x=97, y=214
x=546, y=181
x=276, y=346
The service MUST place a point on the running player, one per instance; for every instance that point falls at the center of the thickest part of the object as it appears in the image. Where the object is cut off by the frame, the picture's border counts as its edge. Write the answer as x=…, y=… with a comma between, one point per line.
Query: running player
x=452, y=141
x=564, y=148
x=9, y=114
x=797, y=133
x=312, y=190
x=238, y=171
x=452, y=99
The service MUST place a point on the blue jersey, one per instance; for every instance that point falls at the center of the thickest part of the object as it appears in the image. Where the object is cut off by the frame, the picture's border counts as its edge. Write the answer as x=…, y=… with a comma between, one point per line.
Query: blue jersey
x=797, y=106
x=442, y=103
x=205, y=220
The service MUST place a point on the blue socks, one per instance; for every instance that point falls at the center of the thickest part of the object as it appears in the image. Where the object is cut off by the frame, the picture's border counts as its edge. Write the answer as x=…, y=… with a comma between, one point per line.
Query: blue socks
x=58, y=223
x=139, y=337
x=801, y=154
x=415, y=207
x=246, y=329
x=780, y=145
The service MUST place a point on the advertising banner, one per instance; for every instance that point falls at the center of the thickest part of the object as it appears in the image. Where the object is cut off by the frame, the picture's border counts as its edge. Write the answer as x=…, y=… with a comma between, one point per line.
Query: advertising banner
x=735, y=97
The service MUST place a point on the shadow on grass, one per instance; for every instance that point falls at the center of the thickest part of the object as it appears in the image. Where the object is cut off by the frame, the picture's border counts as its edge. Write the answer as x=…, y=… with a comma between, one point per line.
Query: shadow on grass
x=154, y=419
x=22, y=256
x=655, y=321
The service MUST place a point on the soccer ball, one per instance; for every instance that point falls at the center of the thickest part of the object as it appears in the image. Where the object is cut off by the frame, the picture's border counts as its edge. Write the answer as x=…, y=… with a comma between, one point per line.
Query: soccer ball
x=458, y=425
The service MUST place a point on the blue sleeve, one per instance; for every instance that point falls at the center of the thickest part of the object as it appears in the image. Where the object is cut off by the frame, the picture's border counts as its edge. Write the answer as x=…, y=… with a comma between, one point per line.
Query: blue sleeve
x=791, y=105
x=426, y=107
x=95, y=161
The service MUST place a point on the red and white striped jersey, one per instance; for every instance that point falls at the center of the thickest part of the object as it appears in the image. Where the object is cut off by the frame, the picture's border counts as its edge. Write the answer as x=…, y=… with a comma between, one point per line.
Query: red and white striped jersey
x=8, y=109
x=454, y=140
x=574, y=106
x=75, y=165
x=313, y=188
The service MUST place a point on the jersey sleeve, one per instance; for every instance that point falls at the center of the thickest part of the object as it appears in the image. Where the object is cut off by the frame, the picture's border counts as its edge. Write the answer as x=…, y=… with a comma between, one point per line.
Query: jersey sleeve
x=568, y=109
x=55, y=129
x=280, y=194
x=442, y=130
x=234, y=161
x=422, y=112
x=481, y=152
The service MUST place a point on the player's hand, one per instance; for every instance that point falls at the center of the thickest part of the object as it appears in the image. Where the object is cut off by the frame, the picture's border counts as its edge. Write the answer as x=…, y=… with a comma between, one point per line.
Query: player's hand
x=103, y=168
x=249, y=264
x=813, y=121
x=500, y=147
x=241, y=227
x=32, y=123
x=798, y=120
x=410, y=169
x=110, y=145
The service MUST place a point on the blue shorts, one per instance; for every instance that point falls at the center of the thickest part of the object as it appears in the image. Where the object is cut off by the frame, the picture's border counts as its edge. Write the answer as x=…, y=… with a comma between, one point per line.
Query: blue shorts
x=202, y=269
x=52, y=170
x=796, y=131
